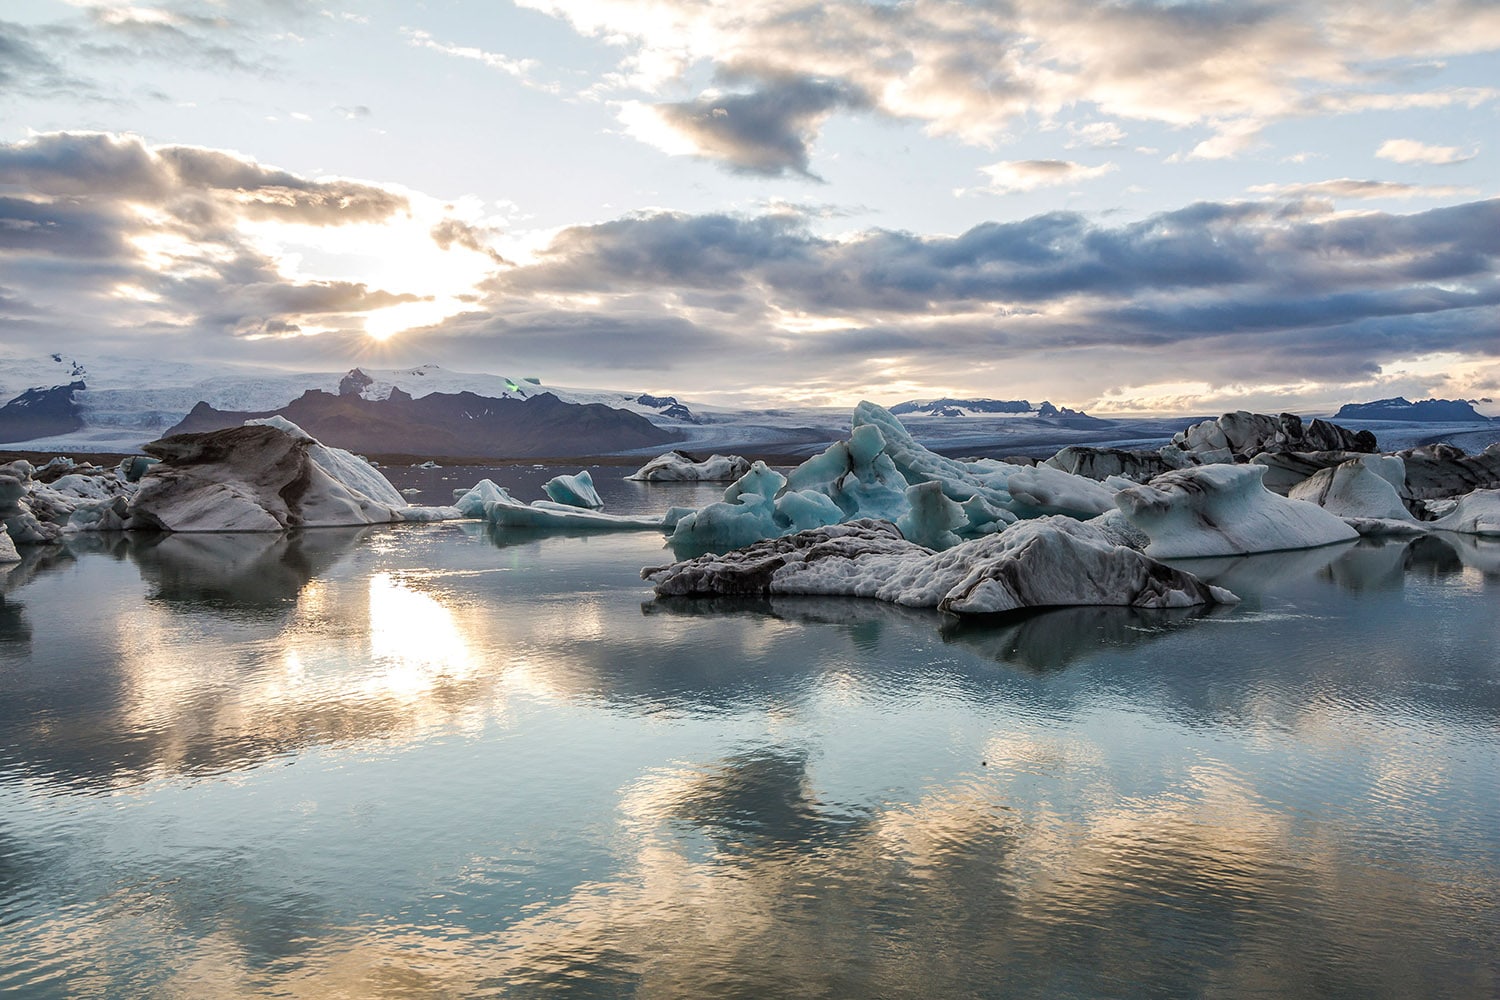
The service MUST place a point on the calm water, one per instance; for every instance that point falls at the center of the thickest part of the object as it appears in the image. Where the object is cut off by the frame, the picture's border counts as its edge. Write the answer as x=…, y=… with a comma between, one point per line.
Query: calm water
x=440, y=761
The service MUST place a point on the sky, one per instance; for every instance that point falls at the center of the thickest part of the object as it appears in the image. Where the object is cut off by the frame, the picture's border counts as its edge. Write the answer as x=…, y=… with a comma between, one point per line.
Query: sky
x=1127, y=207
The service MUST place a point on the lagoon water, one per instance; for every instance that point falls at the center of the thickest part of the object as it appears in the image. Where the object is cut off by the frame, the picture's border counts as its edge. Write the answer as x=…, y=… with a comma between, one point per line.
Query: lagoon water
x=441, y=760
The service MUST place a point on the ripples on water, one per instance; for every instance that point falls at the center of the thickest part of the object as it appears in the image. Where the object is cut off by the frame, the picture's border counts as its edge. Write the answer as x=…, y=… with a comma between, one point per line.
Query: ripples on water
x=438, y=760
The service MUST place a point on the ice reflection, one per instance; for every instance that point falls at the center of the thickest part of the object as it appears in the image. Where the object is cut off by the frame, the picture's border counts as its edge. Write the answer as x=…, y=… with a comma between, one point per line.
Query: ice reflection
x=1040, y=640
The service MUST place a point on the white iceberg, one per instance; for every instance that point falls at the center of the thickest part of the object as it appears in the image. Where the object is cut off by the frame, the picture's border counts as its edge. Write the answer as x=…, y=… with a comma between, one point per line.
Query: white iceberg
x=676, y=466
x=269, y=475
x=344, y=467
x=1365, y=487
x=1476, y=513
x=1048, y=562
x=551, y=516
x=470, y=502
x=1220, y=510
x=8, y=553
x=574, y=491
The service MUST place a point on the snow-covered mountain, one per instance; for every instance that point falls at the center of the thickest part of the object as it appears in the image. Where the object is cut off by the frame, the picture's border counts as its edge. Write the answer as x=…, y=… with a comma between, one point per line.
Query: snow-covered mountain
x=1423, y=410
x=118, y=404
x=988, y=408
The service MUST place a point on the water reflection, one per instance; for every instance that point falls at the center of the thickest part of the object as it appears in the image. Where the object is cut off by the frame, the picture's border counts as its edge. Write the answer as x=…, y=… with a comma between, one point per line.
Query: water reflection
x=513, y=779
x=238, y=573
x=1054, y=639
x=1039, y=640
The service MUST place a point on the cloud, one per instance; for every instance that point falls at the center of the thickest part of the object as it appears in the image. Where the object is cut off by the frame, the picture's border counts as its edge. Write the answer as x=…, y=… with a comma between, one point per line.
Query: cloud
x=1411, y=151
x=518, y=68
x=1282, y=291
x=973, y=70
x=108, y=232
x=1098, y=135
x=768, y=131
x=1014, y=176
x=1348, y=187
x=454, y=232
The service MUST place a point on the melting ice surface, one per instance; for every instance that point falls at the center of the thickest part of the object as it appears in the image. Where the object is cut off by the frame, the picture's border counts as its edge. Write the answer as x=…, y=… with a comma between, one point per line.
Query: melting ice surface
x=451, y=760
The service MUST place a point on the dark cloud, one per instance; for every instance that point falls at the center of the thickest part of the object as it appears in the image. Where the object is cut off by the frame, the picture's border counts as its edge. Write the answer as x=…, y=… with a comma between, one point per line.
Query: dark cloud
x=453, y=232
x=768, y=131
x=1279, y=289
x=114, y=233
x=111, y=168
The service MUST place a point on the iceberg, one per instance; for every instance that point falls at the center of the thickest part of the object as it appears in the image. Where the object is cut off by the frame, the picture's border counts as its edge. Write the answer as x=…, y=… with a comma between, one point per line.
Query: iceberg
x=1221, y=510
x=8, y=553
x=1476, y=513
x=677, y=466
x=1366, y=487
x=550, y=516
x=876, y=474
x=574, y=491
x=1053, y=561
x=470, y=502
x=269, y=475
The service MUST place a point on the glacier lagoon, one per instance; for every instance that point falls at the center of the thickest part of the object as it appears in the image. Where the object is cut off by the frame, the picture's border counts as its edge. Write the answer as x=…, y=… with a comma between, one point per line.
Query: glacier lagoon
x=447, y=759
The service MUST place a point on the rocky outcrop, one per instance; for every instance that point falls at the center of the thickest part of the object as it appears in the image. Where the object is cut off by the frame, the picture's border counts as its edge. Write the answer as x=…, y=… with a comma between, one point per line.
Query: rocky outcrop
x=40, y=413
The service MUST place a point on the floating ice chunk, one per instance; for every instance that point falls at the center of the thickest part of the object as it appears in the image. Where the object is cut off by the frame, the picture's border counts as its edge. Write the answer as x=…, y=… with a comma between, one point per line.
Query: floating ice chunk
x=575, y=491
x=267, y=476
x=1048, y=562
x=470, y=502
x=1216, y=510
x=562, y=517
x=429, y=464
x=1364, y=487
x=675, y=466
x=1476, y=513
x=931, y=517
x=8, y=553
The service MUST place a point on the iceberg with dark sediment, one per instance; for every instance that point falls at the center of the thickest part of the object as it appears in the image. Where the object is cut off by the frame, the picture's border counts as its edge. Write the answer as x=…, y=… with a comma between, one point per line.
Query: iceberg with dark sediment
x=1052, y=561
x=680, y=467
x=268, y=475
x=1220, y=510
